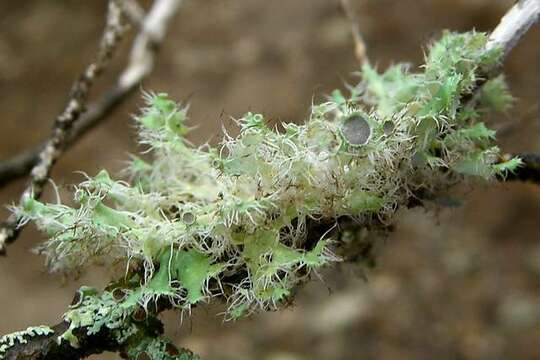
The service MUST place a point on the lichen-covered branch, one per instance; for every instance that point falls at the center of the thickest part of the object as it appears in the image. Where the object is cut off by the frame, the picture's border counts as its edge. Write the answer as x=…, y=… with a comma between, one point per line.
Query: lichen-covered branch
x=95, y=323
x=233, y=222
x=248, y=222
x=152, y=29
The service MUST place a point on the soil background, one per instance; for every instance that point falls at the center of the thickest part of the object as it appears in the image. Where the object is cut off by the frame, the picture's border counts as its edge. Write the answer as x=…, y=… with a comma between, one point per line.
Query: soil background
x=451, y=283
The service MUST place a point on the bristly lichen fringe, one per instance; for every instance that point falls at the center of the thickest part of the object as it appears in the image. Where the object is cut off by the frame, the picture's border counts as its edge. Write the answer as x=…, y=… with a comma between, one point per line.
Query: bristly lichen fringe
x=232, y=220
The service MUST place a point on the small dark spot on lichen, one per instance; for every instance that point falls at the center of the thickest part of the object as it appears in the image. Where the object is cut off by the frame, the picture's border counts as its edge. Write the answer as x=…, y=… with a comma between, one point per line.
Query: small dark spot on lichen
x=119, y=294
x=139, y=314
x=388, y=127
x=77, y=299
x=171, y=349
x=143, y=356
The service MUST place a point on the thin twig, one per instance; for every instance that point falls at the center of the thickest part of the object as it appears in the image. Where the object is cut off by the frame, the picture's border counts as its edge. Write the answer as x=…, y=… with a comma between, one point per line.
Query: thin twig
x=139, y=67
x=360, y=49
x=141, y=63
x=147, y=42
x=514, y=24
x=134, y=13
x=55, y=145
x=20, y=164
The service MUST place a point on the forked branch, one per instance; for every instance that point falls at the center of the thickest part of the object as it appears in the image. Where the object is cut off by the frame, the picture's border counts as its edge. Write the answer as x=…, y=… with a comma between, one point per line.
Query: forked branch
x=152, y=30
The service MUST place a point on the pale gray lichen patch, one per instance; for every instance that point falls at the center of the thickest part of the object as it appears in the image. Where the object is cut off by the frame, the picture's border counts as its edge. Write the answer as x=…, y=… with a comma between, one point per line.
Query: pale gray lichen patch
x=22, y=337
x=93, y=311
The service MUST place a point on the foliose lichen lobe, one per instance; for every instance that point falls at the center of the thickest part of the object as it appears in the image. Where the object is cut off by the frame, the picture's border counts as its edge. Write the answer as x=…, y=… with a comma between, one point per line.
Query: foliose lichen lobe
x=22, y=337
x=190, y=217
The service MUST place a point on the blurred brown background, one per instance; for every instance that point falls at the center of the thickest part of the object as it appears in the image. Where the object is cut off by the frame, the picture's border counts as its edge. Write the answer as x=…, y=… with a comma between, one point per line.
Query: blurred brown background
x=460, y=283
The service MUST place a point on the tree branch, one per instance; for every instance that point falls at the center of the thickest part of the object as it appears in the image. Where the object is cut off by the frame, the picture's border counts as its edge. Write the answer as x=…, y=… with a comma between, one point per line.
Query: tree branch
x=145, y=47
x=46, y=346
x=153, y=30
x=51, y=343
x=360, y=49
x=20, y=164
x=514, y=24
x=56, y=144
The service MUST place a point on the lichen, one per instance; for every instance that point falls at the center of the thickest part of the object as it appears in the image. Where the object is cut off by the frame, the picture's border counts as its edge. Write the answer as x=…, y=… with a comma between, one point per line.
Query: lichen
x=232, y=220
x=158, y=349
x=22, y=337
x=92, y=311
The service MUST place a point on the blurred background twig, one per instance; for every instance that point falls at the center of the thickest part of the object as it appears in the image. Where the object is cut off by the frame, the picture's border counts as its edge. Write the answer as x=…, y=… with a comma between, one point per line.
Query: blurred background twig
x=75, y=121
x=360, y=48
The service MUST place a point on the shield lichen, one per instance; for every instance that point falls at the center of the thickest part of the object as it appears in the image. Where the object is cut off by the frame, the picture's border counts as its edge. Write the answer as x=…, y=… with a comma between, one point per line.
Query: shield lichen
x=22, y=337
